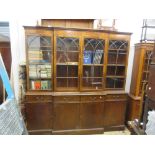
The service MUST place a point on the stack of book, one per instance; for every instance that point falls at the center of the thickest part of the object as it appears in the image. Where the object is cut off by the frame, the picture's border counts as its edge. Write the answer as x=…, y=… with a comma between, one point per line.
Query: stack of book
x=33, y=72
x=40, y=85
x=97, y=57
x=45, y=71
x=93, y=57
x=40, y=71
x=35, y=56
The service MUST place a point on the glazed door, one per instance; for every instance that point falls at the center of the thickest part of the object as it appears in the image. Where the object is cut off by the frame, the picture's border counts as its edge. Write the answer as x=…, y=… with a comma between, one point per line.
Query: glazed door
x=67, y=61
x=39, y=46
x=93, y=63
x=116, y=64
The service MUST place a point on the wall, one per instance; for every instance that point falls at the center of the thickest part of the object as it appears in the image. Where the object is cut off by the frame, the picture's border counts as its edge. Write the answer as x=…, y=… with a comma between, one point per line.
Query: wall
x=18, y=43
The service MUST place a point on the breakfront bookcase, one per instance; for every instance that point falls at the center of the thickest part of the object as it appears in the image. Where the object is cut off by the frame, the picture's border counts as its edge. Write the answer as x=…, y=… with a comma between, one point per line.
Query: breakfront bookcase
x=140, y=73
x=75, y=80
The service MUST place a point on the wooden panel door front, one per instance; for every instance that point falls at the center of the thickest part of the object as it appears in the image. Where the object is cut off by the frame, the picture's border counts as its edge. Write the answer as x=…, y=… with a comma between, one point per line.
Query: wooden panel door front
x=38, y=116
x=66, y=116
x=114, y=113
x=91, y=115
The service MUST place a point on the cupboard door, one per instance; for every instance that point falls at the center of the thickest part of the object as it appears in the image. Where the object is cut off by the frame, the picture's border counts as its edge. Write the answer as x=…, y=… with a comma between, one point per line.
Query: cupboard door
x=66, y=116
x=38, y=116
x=114, y=113
x=91, y=115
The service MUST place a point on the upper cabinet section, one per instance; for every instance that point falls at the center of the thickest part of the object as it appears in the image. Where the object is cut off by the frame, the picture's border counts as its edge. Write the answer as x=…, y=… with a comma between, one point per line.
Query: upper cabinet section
x=69, y=59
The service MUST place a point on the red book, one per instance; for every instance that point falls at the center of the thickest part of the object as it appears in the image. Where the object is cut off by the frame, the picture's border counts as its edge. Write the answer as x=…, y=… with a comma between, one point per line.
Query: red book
x=37, y=85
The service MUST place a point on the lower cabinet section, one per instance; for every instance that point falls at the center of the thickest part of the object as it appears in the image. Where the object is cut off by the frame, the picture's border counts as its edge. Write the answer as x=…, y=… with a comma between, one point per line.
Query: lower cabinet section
x=114, y=115
x=75, y=114
x=39, y=118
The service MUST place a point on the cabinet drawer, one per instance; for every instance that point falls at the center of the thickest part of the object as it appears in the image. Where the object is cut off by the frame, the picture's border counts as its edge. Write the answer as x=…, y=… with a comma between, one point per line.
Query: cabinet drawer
x=38, y=98
x=66, y=99
x=116, y=97
x=92, y=98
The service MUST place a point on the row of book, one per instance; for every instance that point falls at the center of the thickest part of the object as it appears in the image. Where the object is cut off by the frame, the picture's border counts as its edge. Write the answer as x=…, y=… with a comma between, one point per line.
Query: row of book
x=38, y=56
x=93, y=57
x=40, y=85
x=40, y=71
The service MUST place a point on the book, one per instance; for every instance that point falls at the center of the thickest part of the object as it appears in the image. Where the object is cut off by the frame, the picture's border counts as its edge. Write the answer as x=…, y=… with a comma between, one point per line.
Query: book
x=44, y=85
x=97, y=57
x=87, y=59
x=37, y=85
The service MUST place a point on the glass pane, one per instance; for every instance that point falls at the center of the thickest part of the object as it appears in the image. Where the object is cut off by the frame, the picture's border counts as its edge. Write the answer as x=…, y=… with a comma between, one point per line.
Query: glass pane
x=119, y=83
x=92, y=71
x=110, y=83
x=38, y=42
x=93, y=51
x=68, y=50
x=116, y=70
x=111, y=70
x=95, y=83
x=67, y=82
x=72, y=82
x=121, y=57
x=112, y=55
x=62, y=71
x=118, y=44
x=115, y=83
x=39, y=71
x=61, y=82
x=120, y=71
x=39, y=49
x=67, y=71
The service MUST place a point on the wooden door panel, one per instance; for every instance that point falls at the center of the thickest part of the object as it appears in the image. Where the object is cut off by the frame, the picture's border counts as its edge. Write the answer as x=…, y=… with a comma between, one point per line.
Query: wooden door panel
x=66, y=116
x=38, y=116
x=114, y=113
x=91, y=115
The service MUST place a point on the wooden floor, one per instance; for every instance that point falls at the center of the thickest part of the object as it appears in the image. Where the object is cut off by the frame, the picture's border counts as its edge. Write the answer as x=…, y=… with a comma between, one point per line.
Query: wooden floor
x=125, y=132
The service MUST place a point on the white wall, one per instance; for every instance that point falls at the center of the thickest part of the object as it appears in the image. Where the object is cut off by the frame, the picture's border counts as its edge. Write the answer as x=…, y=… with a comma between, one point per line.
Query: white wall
x=17, y=38
x=18, y=43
